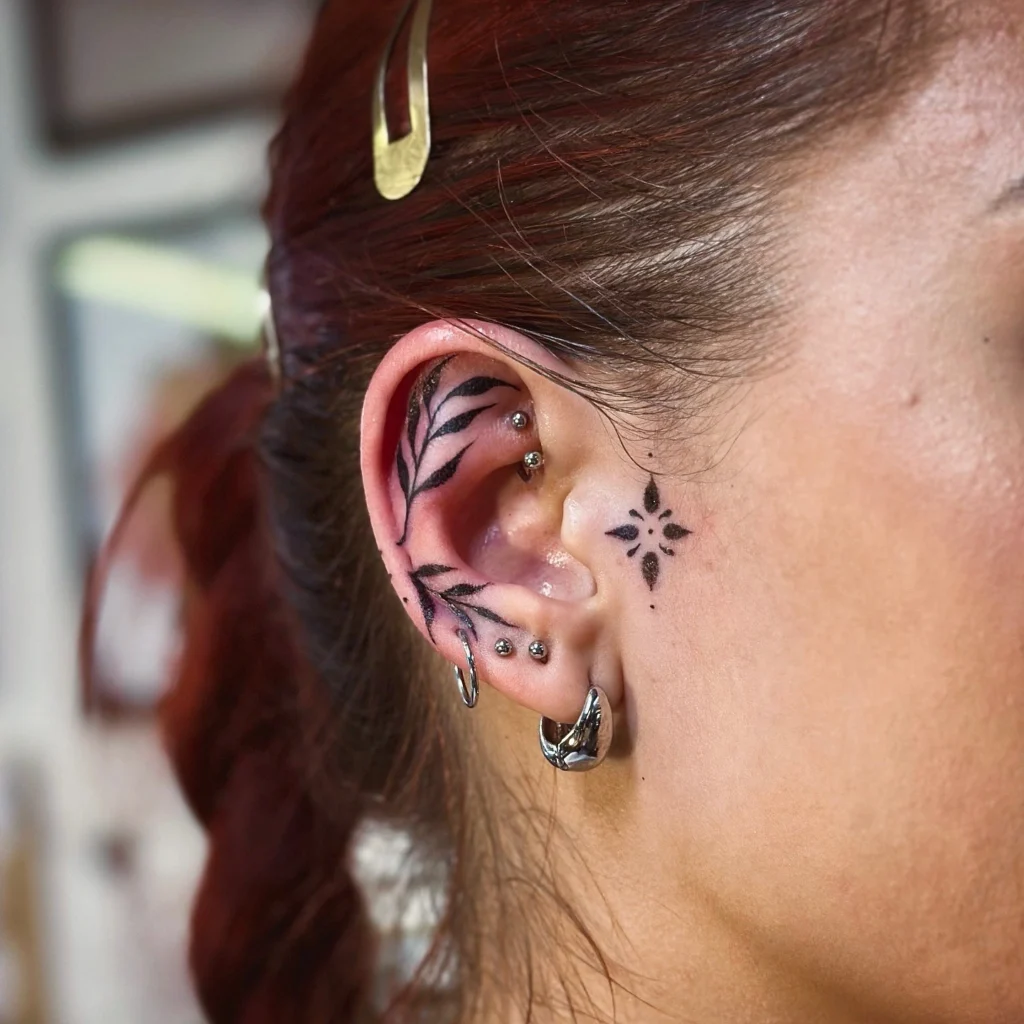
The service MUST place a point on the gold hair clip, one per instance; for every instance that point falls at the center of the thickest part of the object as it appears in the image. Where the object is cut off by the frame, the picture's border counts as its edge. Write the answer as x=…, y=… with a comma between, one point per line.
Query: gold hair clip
x=398, y=164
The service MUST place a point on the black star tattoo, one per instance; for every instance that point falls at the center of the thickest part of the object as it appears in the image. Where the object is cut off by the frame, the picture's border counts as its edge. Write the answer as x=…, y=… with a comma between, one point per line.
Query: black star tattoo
x=654, y=522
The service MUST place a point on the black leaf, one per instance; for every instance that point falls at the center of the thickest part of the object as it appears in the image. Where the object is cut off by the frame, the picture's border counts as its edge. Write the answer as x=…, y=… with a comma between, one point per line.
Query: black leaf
x=444, y=474
x=426, y=604
x=477, y=386
x=464, y=620
x=627, y=532
x=433, y=379
x=652, y=499
x=431, y=569
x=486, y=613
x=457, y=423
x=650, y=567
x=462, y=590
x=673, y=531
x=414, y=418
x=403, y=472
x=636, y=515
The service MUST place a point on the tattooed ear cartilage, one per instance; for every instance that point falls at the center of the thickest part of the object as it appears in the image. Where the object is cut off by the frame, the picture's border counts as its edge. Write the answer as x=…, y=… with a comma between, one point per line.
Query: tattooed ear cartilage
x=460, y=599
x=503, y=647
x=657, y=527
x=519, y=420
x=532, y=461
x=418, y=478
x=538, y=651
x=469, y=694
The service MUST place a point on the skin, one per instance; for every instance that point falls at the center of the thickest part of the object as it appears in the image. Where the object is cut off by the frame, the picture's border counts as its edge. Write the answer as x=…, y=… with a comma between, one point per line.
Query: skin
x=816, y=808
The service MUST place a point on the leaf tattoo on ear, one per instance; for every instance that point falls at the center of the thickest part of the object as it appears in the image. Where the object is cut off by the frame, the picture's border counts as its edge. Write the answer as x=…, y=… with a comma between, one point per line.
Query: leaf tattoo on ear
x=411, y=480
x=631, y=533
x=455, y=597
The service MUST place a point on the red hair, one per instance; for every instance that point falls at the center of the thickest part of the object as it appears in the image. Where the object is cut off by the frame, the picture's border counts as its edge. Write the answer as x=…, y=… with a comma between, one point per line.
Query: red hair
x=602, y=180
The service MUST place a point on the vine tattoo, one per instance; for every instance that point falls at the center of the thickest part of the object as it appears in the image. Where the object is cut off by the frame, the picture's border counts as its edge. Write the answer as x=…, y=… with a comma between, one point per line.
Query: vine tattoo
x=412, y=473
x=652, y=520
x=459, y=598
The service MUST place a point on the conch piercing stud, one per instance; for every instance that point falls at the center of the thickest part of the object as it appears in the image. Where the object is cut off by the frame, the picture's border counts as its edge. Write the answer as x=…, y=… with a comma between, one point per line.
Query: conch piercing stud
x=532, y=461
x=538, y=651
x=519, y=420
x=503, y=648
x=584, y=744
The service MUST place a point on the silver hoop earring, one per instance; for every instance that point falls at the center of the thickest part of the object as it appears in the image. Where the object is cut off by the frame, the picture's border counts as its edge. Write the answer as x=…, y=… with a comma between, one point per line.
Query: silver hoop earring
x=468, y=694
x=583, y=745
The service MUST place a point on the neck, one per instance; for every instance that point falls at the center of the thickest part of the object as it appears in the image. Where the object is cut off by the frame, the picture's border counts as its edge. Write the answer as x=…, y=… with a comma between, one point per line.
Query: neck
x=584, y=914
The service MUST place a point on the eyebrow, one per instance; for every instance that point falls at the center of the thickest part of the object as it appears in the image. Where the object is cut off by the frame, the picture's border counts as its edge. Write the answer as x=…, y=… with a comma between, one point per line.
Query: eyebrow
x=1010, y=196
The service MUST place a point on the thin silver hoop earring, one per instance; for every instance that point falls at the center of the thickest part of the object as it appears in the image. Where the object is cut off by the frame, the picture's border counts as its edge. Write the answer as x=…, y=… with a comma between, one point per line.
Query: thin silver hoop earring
x=468, y=694
x=583, y=745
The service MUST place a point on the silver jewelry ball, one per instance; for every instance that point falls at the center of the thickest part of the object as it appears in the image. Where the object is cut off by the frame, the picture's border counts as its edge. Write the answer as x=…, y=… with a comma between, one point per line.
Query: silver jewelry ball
x=503, y=648
x=520, y=421
x=533, y=460
x=538, y=651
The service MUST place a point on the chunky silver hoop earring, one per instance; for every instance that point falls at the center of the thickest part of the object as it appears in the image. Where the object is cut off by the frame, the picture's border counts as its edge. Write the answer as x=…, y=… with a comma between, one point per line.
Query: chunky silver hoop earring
x=469, y=693
x=582, y=746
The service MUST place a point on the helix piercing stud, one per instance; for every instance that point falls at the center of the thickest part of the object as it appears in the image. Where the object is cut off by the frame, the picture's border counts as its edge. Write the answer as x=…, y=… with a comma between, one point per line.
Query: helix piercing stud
x=503, y=648
x=519, y=419
x=538, y=651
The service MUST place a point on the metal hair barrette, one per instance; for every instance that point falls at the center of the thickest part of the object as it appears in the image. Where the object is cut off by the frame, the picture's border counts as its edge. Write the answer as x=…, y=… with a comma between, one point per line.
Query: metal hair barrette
x=398, y=164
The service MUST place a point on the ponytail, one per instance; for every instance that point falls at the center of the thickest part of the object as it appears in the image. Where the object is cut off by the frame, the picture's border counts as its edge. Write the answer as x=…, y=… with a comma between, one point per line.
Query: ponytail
x=279, y=931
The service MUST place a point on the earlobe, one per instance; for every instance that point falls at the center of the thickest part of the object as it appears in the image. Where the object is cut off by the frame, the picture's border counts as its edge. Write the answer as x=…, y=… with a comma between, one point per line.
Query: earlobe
x=470, y=527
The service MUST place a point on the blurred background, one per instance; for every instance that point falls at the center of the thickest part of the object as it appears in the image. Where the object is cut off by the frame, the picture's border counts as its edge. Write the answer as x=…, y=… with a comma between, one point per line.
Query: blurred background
x=132, y=138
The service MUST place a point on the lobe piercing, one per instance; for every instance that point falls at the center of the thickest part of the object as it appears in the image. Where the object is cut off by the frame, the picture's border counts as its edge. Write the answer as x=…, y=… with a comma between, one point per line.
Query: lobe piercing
x=538, y=651
x=520, y=421
x=503, y=648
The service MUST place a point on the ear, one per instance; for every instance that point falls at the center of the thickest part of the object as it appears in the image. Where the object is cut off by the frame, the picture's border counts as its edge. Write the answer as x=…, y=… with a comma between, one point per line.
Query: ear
x=478, y=549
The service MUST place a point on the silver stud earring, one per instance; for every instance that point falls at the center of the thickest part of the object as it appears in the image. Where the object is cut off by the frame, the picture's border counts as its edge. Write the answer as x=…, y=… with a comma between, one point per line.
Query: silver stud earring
x=503, y=647
x=532, y=461
x=520, y=421
x=538, y=651
x=584, y=744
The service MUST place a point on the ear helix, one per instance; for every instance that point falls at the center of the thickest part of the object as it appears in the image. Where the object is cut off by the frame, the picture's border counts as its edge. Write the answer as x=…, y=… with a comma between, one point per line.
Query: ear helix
x=438, y=433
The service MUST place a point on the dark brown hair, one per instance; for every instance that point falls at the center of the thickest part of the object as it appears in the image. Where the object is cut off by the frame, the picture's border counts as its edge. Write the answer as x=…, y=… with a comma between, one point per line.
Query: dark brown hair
x=606, y=178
